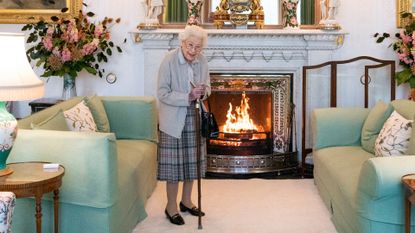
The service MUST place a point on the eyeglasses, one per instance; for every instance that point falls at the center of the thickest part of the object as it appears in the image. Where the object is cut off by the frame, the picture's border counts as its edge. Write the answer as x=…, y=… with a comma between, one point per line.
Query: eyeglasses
x=191, y=46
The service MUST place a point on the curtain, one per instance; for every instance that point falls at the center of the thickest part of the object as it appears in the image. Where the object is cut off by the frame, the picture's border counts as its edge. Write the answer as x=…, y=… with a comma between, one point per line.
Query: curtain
x=307, y=12
x=176, y=11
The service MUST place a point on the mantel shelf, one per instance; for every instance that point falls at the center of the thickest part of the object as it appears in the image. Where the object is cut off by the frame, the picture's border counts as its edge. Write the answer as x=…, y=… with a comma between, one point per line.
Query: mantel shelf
x=272, y=39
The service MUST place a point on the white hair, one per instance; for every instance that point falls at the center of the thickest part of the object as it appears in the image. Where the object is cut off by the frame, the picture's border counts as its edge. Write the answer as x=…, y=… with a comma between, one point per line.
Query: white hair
x=195, y=31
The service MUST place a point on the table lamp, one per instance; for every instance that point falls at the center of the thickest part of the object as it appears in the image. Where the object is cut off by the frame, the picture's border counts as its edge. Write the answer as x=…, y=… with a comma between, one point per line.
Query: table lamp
x=18, y=81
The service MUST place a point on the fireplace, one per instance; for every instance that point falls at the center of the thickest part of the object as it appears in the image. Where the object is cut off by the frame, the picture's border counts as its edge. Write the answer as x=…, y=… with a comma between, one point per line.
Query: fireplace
x=254, y=117
x=245, y=52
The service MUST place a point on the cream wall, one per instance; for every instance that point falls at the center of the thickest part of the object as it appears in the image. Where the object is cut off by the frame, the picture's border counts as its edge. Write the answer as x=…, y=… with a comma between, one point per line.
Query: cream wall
x=361, y=19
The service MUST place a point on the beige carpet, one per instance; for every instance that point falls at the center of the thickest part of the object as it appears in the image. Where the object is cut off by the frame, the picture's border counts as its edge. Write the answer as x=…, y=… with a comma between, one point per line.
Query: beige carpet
x=246, y=206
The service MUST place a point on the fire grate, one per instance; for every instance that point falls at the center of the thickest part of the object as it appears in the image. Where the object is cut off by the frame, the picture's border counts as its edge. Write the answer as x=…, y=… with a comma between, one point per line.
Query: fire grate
x=241, y=143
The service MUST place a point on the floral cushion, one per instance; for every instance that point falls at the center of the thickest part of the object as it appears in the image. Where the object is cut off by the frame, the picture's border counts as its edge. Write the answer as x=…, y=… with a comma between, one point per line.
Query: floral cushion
x=7, y=203
x=79, y=118
x=394, y=137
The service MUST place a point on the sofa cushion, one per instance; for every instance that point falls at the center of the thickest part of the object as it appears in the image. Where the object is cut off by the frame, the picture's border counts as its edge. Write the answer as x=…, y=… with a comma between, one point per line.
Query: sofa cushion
x=139, y=123
x=26, y=123
x=411, y=146
x=373, y=124
x=55, y=122
x=97, y=108
x=79, y=118
x=341, y=164
x=328, y=122
x=404, y=107
x=393, y=139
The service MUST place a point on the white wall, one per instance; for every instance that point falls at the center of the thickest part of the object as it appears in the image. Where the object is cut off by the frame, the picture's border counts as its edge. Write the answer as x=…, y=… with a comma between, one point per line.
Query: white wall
x=361, y=19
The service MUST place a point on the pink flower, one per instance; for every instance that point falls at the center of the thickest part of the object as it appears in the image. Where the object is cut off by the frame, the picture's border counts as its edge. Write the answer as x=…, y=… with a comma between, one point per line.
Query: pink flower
x=66, y=55
x=90, y=47
x=56, y=52
x=98, y=30
x=65, y=36
x=293, y=20
x=405, y=38
x=191, y=19
x=47, y=42
x=50, y=30
x=401, y=56
x=407, y=60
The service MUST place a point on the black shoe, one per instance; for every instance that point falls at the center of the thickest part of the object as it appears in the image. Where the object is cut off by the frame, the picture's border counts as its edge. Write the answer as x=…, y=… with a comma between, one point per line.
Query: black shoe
x=193, y=211
x=175, y=219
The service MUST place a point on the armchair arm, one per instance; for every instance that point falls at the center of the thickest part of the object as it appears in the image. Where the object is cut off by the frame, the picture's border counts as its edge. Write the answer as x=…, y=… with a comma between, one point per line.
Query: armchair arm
x=90, y=161
x=381, y=176
x=380, y=193
x=337, y=126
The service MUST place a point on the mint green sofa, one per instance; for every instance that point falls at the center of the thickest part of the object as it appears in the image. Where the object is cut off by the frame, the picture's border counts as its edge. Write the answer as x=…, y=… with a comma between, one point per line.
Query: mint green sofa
x=363, y=193
x=108, y=176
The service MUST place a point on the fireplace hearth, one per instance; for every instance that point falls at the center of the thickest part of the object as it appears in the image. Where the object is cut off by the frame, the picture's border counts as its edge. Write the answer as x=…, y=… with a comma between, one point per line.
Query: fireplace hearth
x=254, y=117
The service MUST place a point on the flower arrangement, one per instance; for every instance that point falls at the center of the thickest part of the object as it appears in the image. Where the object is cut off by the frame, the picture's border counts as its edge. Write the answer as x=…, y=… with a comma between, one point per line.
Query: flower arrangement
x=404, y=46
x=290, y=13
x=193, y=13
x=69, y=45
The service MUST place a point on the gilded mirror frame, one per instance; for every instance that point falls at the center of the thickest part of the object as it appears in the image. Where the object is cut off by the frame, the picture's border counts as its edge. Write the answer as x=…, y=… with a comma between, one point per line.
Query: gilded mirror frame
x=23, y=16
x=402, y=6
x=207, y=19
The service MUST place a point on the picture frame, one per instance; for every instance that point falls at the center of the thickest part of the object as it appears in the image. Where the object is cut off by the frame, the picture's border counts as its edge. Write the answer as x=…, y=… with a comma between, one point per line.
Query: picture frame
x=403, y=6
x=31, y=11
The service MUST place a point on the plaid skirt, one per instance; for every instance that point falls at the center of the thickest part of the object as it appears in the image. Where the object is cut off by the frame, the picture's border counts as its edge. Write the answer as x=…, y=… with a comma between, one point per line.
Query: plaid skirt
x=177, y=158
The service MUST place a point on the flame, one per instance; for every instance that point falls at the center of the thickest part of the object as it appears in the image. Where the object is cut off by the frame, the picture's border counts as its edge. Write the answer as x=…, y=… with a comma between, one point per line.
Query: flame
x=240, y=121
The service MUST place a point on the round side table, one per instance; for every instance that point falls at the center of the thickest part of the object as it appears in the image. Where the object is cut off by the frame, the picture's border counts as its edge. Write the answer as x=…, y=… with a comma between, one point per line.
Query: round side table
x=409, y=184
x=29, y=179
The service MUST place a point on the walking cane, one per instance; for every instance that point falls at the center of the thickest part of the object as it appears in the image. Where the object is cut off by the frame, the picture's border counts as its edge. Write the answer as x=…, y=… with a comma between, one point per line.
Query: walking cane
x=199, y=183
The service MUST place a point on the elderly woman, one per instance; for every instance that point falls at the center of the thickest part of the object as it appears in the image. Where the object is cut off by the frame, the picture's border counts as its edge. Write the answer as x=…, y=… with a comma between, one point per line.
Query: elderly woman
x=183, y=78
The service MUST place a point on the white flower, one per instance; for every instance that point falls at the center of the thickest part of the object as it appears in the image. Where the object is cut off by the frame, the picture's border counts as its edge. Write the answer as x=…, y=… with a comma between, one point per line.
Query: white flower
x=195, y=1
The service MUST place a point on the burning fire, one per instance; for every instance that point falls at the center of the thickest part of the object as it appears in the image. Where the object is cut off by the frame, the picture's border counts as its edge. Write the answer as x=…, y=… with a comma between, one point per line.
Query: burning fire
x=240, y=121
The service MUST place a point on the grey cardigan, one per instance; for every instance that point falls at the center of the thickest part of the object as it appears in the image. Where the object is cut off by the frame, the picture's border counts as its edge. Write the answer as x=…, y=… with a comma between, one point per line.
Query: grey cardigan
x=174, y=87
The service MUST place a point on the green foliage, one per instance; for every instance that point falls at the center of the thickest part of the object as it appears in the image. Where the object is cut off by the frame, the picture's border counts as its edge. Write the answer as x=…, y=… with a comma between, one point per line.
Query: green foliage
x=404, y=47
x=69, y=45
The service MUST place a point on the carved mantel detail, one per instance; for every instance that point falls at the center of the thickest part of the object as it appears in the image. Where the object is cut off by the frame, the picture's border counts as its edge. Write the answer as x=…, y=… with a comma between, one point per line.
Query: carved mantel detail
x=249, y=44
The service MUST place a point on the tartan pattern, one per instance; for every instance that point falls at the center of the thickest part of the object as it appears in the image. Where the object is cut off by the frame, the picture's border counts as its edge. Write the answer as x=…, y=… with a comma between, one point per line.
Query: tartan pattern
x=177, y=159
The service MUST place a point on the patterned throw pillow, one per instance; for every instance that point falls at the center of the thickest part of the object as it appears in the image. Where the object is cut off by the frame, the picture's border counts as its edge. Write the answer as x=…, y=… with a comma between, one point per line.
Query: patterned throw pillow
x=393, y=139
x=79, y=118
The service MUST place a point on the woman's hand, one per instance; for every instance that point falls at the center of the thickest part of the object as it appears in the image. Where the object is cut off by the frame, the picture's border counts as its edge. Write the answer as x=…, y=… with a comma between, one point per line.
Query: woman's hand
x=197, y=92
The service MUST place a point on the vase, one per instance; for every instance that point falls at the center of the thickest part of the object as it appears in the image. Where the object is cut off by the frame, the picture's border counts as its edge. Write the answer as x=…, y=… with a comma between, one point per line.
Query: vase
x=193, y=11
x=289, y=8
x=69, y=87
x=8, y=127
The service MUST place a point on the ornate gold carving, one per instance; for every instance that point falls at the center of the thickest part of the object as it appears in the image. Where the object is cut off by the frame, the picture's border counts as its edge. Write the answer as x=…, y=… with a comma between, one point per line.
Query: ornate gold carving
x=401, y=7
x=239, y=12
x=22, y=16
x=238, y=19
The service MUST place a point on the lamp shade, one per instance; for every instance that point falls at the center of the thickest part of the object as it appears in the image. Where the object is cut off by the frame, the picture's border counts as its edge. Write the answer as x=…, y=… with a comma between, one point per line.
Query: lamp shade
x=17, y=79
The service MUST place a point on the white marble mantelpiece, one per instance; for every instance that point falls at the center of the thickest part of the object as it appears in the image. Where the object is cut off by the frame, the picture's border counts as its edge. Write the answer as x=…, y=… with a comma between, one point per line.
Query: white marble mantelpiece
x=249, y=51
x=244, y=51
